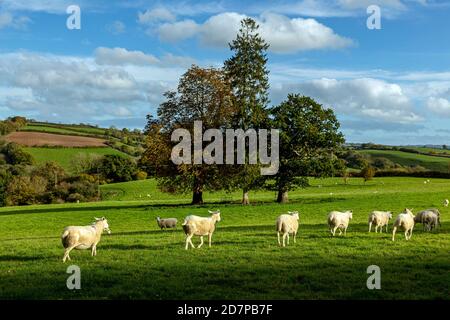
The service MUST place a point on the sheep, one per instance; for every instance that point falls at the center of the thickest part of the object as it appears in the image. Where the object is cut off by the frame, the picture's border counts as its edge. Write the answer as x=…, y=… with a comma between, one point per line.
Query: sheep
x=380, y=219
x=84, y=237
x=339, y=220
x=288, y=224
x=446, y=203
x=200, y=226
x=430, y=218
x=404, y=220
x=167, y=222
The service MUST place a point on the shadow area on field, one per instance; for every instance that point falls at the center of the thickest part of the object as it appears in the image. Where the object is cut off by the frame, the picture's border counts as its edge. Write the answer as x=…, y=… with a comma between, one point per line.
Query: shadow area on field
x=11, y=258
x=169, y=205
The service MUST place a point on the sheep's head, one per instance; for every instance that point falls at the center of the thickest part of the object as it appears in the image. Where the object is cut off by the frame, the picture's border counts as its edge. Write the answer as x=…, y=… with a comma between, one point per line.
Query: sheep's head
x=215, y=214
x=350, y=214
x=389, y=215
x=104, y=223
x=294, y=214
x=409, y=211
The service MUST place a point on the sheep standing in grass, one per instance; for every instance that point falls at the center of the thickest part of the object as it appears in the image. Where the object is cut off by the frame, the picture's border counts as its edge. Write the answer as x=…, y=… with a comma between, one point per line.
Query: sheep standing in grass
x=287, y=224
x=84, y=237
x=446, y=203
x=200, y=226
x=339, y=220
x=379, y=219
x=430, y=218
x=406, y=222
x=166, y=223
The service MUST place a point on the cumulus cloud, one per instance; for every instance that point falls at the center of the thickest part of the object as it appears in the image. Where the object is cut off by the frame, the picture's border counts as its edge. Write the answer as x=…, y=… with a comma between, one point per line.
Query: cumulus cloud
x=155, y=15
x=285, y=35
x=440, y=106
x=8, y=20
x=117, y=27
x=122, y=57
x=365, y=98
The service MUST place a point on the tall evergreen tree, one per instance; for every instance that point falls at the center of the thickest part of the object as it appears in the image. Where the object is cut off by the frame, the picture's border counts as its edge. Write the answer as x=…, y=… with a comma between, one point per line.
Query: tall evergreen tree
x=248, y=76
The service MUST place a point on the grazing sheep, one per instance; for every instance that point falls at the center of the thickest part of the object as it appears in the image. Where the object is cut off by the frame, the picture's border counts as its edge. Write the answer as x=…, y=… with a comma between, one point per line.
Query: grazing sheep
x=167, y=222
x=380, y=219
x=84, y=237
x=287, y=224
x=406, y=221
x=200, y=226
x=339, y=220
x=430, y=218
x=446, y=203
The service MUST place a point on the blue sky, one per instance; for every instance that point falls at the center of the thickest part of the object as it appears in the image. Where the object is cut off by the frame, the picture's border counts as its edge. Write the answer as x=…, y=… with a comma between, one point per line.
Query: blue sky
x=387, y=86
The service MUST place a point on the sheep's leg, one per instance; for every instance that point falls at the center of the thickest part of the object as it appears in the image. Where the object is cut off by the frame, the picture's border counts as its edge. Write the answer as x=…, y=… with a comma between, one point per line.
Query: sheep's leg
x=278, y=237
x=295, y=237
x=201, y=242
x=284, y=239
x=370, y=226
x=393, y=233
x=187, y=242
x=387, y=228
x=345, y=231
x=209, y=239
x=334, y=231
x=340, y=231
x=66, y=253
x=190, y=241
x=410, y=233
x=376, y=228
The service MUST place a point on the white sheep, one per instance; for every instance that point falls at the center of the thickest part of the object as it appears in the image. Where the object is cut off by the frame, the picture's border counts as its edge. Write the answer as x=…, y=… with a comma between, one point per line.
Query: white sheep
x=167, y=222
x=430, y=218
x=84, y=237
x=200, y=226
x=287, y=224
x=379, y=219
x=446, y=203
x=404, y=220
x=339, y=220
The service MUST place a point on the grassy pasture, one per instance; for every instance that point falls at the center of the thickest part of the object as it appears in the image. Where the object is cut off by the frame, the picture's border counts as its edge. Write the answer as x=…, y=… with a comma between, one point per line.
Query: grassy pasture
x=64, y=156
x=140, y=261
x=434, y=163
x=63, y=129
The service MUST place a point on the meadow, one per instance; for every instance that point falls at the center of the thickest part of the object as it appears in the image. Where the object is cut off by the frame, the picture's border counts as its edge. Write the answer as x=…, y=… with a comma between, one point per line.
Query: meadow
x=434, y=163
x=64, y=156
x=139, y=261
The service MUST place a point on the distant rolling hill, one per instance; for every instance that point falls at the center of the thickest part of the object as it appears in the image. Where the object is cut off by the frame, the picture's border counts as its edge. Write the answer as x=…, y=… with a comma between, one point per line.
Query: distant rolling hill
x=61, y=143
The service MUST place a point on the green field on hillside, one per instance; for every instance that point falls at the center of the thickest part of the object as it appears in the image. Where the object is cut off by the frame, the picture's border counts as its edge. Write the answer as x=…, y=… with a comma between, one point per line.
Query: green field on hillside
x=441, y=164
x=64, y=156
x=140, y=261
x=64, y=129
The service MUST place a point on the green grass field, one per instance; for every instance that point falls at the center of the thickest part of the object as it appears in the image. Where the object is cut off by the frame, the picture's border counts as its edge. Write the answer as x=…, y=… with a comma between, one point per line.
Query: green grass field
x=64, y=156
x=63, y=129
x=142, y=262
x=410, y=159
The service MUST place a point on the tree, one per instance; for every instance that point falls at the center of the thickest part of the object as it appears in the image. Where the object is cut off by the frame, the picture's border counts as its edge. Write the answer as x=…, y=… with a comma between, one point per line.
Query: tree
x=116, y=168
x=51, y=171
x=367, y=173
x=15, y=155
x=202, y=95
x=248, y=77
x=309, y=140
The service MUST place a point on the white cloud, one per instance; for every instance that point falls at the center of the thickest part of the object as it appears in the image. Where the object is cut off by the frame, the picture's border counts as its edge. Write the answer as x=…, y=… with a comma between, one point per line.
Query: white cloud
x=364, y=98
x=121, y=56
x=16, y=22
x=117, y=27
x=155, y=15
x=282, y=33
x=440, y=106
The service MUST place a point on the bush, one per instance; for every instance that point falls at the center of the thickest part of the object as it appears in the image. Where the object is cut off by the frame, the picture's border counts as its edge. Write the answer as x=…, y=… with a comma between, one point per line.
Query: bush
x=367, y=173
x=115, y=168
x=141, y=175
x=14, y=155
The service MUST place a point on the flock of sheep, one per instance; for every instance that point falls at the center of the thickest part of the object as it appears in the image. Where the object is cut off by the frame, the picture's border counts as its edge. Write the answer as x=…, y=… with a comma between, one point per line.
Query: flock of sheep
x=85, y=237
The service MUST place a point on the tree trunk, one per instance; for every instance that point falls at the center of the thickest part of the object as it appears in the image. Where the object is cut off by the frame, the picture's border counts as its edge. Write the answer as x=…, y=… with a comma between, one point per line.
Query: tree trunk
x=245, y=199
x=282, y=197
x=197, y=197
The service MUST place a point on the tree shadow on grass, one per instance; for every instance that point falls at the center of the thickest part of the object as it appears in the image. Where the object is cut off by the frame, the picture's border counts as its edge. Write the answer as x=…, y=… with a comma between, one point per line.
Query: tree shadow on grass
x=11, y=258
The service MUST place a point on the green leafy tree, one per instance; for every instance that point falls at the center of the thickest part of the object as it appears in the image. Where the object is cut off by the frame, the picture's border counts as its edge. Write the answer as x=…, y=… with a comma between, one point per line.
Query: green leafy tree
x=309, y=142
x=248, y=77
x=116, y=168
x=202, y=95
x=367, y=173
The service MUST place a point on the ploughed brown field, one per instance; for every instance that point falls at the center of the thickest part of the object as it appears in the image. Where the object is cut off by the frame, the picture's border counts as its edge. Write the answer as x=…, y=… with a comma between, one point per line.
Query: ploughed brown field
x=36, y=139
